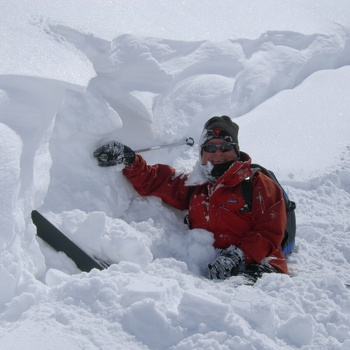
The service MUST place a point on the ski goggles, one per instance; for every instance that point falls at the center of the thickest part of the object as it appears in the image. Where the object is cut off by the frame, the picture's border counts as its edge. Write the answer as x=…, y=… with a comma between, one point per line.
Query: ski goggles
x=223, y=147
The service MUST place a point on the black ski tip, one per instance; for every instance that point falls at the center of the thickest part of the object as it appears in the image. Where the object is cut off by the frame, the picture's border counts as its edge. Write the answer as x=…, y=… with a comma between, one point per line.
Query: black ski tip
x=61, y=243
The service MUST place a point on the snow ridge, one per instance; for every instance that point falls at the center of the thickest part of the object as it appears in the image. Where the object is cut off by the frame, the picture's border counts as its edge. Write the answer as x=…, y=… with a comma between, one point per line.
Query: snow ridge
x=149, y=91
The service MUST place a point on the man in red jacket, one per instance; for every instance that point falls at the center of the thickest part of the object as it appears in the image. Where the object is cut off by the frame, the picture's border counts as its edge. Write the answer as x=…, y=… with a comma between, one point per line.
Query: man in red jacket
x=248, y=242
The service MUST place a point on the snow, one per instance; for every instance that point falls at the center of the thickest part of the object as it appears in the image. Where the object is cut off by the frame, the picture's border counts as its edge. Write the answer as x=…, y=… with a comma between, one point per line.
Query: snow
x=74, y=75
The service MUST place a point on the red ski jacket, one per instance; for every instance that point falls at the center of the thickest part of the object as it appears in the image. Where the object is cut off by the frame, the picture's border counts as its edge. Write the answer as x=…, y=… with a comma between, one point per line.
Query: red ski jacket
x=219, y=208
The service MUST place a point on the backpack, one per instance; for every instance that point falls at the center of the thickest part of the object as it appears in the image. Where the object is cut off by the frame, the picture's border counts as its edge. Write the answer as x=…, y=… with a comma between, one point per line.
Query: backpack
x=247, y=192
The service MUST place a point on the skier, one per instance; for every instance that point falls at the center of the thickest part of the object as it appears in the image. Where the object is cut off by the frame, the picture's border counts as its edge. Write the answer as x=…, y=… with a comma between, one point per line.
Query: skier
x=248, y=242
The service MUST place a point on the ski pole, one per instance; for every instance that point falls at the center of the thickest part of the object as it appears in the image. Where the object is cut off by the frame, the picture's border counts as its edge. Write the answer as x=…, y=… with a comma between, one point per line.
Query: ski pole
x=189, y=141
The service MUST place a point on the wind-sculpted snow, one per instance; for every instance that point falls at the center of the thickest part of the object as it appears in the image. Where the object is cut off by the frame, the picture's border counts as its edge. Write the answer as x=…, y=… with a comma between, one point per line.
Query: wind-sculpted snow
x=288, y=92
x=153, y=77
x=27, y=111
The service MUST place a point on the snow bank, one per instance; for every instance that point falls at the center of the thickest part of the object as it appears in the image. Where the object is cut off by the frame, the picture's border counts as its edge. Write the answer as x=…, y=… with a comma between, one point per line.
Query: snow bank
x=287, y=91
x=27, y=110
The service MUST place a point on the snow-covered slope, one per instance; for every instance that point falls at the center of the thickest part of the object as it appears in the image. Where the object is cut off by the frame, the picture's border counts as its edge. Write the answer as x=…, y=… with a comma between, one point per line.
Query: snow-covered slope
x=76, y=74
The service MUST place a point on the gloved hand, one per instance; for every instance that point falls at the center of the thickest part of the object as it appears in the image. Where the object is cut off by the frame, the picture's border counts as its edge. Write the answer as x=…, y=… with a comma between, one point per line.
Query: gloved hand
x=114, y=153
x=230, y=262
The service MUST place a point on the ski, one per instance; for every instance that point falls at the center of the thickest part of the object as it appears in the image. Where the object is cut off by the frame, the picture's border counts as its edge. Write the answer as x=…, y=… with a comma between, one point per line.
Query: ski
x=61, y=243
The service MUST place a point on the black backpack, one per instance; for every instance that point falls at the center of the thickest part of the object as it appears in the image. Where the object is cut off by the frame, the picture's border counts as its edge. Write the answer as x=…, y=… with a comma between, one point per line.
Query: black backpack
x=247, y=192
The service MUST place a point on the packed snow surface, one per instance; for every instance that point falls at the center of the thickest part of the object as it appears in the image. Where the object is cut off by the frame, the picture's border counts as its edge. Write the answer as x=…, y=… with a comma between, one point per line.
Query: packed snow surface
x=76, y=74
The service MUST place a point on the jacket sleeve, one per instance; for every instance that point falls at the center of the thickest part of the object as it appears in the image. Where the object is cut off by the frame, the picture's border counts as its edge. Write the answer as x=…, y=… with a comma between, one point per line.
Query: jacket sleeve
x=158, y=180
x=269, y=221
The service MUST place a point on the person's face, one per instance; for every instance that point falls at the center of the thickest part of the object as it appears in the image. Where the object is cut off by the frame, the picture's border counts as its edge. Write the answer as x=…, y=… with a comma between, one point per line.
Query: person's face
x=218, y=156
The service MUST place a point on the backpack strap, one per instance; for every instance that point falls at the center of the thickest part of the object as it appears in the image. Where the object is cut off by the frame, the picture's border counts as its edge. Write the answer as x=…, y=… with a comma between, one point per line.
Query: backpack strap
x=189, y=193
x=188, y=197
x=247, y=193
x=247, y=190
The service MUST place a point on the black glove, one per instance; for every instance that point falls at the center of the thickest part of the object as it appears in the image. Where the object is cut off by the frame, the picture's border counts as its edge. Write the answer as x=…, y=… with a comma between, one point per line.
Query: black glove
x=230, y=262
x=253, y=272
x=114, y=153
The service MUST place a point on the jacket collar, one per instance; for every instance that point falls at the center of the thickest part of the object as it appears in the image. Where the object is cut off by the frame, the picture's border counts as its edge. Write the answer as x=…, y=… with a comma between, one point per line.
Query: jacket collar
x=238, y=171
